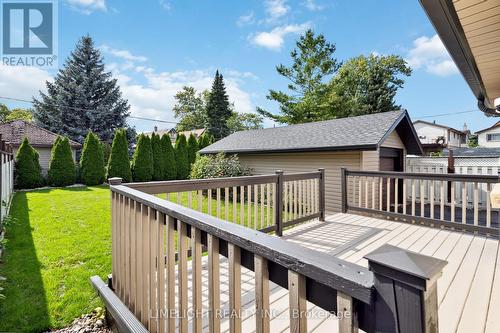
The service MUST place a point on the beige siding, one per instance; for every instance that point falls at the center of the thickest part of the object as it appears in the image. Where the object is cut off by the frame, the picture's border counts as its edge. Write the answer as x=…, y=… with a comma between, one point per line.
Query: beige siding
x=393, y=141
x=303, y=162
x=370, y=160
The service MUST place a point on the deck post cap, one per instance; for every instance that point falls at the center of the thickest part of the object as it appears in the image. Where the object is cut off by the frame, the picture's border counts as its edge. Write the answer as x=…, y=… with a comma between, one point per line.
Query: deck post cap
x=415, y=269
x=115, y=181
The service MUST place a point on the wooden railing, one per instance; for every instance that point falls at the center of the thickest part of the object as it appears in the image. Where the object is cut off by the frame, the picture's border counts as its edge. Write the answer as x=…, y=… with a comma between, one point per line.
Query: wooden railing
x=449, y=200
x=268, y=203
x=151, y=288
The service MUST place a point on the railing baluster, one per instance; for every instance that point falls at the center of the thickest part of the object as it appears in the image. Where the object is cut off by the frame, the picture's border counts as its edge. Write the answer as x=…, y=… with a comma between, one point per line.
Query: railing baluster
x=422, y=198
x=405, y=193
x=242, y=205
x=235, y=204
x=295, y=201
x=255, y=206
x=262, y=310
x=145, y=265
x=476, y=204
x=360, y=191
x=297, y=302
x=114, y=238
x=431, y=198
x=373, y=192
x=365, y=180
x=226, y=203
x=464, y=203
x=200, y=200
x=183, y=277
x=197, y=282
x=190, y=199
x=179, y=197
x=170, y=263
x=442, y=200
x=262, y=213
x=153, y=305
x=285, y=205
x=162, y=313
x=217, y=196
x=249, y=206
x=452, y=203
x=133, y=251
x=388, y=194
x=488, y=205
x=139, y=256
x=234, y=257
x=209, y=202
x=268, y=204
x=413, y=196
x=213, y=284
x=396, y=195
x=380, y=193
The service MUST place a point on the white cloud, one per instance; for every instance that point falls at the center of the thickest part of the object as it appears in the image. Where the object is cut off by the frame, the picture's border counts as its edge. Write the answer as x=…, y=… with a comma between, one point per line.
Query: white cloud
x=313, y=6
x=275, y=38
x=22, y=82
x=246, y=19
x=430, y=54
x=165, y=4
x=276, y=9
x=88, y=6
x=123, y=54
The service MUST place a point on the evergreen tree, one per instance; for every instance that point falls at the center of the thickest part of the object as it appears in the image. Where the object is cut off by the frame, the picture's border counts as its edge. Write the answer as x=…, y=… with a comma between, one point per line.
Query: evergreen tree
x=92, y=170
x=119, y=163
x=83, y=96
x=142, y=161
x=203, y=141
x=170, y=166
x=158, y=157
x=181, y=155
x=62, y=170
x=27, y=168
x=218, y=109
x=192, y=148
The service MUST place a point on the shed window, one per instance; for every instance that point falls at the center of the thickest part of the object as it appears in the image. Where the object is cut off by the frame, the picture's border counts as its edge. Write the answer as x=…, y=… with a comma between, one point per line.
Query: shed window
x=493, y=137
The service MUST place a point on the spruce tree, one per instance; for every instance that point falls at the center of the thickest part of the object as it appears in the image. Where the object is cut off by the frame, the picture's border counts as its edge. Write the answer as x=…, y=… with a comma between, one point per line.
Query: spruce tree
x=62, y=170
x=218, y=109
x=92, y=170
x=192, y=148
x=181, y=155
x=27, y=167
x=170, y=166
x=158, y=157
x=83, y=96
x=142, y=161
x=118, y=162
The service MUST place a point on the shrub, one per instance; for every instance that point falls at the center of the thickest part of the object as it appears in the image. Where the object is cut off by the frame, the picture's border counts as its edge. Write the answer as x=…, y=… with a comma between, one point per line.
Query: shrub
x=158, y=158
x=27, y=167
x=92, y=161
x=216, y=166
x=204, y=141
x=181, y=155
x=62, y=170
x=170, y=164
x=142, y=161
x=192, y=149
x=119, y=163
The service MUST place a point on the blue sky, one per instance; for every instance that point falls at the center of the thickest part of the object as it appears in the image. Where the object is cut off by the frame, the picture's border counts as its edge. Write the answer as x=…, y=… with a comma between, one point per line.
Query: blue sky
x=154, y=47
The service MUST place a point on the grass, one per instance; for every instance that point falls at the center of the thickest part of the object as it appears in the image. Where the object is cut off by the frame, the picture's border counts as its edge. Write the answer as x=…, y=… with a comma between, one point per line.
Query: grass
x=57, y=239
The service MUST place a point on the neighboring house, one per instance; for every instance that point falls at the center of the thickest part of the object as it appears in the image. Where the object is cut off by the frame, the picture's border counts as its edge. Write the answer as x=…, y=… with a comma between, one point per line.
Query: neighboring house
x=434, y=137
x=489, y=137
x=41, y=139
x=371, y=142
x=174, y=134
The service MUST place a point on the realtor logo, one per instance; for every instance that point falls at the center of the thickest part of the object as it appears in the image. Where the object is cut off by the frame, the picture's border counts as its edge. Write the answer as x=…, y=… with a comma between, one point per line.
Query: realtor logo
x=29, y=33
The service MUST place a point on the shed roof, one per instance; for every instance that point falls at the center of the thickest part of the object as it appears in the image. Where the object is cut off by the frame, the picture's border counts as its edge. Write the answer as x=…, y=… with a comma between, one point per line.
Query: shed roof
x=15, y=131
x=473, y=152
x=354, y=133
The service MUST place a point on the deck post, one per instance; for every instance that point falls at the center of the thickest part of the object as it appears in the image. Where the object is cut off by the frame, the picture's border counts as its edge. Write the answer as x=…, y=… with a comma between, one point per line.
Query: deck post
x=406, y=290
x=343, y=189
x=322, y=194
x=115, y=181
x=278, y=214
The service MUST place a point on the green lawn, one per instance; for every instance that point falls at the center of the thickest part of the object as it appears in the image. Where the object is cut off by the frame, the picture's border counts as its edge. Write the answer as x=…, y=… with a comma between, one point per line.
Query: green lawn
x=57, y=239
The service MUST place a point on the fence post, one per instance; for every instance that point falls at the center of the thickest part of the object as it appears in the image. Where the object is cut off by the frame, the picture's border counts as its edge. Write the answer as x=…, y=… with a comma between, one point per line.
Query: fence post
x=115, y=181
x=343, y=188
x=278, y=214
x=450, y=169
x=322, y=194
x=406, y=290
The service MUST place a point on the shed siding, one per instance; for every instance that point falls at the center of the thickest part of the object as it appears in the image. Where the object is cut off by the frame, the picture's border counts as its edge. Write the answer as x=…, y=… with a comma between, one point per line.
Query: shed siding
x=304, y=162
x=370, y=160
x=393, y=141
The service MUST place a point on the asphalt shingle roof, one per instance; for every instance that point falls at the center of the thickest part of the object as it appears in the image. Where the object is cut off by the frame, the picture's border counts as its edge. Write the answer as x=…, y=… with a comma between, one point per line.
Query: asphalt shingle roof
x=336, y=134
x=15, y=131
x=473, y=152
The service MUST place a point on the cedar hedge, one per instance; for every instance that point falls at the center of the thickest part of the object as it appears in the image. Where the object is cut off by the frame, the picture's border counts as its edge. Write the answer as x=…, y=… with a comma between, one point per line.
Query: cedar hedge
x=62, y=170
x=142, y=161
x=92, y=170
x=170, y=166
x=181, y=155
x=28, y=173
x=119, y=163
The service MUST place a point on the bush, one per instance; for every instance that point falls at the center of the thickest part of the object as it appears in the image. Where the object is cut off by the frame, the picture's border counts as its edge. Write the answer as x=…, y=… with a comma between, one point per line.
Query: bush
x=62, y=170
x=27, y=167
x=92, y=161
x=192, y=148
x=181, y=156
x=170, y=164
x=142, y=161
x=204, y=141
x=119, y=163
x=158, y=158
x=216, y=166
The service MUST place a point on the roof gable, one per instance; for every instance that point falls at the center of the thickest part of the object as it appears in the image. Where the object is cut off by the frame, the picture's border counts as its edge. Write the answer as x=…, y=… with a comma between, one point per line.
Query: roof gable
x=353, y=133
x=15, y=131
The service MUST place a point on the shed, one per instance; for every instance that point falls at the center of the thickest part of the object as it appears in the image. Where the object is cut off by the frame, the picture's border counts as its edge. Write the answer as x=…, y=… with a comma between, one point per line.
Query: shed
x=40, y=139
x=370, y=142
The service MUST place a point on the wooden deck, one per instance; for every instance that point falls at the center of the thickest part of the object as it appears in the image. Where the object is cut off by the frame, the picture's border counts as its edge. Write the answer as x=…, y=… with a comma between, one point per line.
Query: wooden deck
x=468, y=291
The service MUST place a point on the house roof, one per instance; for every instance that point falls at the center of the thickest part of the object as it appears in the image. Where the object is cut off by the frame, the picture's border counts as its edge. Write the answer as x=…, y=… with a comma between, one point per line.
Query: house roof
x=473, y=152
x=469, y=31
x=15, y=131
x=497, y=124
x=197, y=132
x=438, y=125
x=354, y=133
